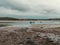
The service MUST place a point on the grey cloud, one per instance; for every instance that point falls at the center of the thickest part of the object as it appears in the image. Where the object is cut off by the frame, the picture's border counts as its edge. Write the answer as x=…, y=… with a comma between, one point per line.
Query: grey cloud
x=12, y=5
x=43, y=8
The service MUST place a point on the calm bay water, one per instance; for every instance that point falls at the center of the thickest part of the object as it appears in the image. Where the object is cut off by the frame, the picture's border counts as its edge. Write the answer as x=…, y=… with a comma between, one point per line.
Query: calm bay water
x=27, y=23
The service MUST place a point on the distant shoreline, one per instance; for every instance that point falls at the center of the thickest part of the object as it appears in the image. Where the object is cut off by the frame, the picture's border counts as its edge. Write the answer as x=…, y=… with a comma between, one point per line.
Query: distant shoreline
x=12, y=21
x=28, y=19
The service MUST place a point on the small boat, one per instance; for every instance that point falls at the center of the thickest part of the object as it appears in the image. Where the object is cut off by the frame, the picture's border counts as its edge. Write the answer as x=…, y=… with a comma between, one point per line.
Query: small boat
x=31, y=22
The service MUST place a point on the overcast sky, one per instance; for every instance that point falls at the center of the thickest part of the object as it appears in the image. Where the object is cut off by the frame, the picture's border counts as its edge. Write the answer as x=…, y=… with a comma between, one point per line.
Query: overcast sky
x=42, y=8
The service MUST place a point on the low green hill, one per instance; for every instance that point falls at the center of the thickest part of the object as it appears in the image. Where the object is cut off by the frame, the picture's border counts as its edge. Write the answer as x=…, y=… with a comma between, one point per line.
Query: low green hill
x=8, y=18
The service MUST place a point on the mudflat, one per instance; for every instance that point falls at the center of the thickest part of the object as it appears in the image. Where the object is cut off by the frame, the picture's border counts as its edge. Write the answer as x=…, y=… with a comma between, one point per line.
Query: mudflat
x=32, y=35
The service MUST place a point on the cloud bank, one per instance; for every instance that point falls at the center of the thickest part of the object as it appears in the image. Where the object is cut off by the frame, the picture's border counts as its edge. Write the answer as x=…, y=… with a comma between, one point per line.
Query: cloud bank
x=44, y=8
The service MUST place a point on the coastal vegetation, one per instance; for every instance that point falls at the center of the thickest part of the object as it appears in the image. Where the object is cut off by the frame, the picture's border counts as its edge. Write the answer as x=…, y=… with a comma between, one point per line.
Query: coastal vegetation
x=8, y=18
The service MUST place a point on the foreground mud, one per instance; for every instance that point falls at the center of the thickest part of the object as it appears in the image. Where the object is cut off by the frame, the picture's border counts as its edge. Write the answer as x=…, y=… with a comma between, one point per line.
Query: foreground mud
x=29, y=36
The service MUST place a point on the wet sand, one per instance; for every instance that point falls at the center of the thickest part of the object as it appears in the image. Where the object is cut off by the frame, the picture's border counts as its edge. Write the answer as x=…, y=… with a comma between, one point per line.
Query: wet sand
x=45, y=25
x=42, y=27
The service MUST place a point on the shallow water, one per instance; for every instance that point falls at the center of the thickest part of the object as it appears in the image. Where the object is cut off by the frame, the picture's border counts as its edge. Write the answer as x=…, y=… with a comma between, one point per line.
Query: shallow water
x=27, y=23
